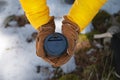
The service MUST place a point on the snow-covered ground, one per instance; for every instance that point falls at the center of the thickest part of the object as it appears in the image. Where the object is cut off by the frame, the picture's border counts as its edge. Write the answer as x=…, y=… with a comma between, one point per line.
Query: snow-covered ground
x=18, y=60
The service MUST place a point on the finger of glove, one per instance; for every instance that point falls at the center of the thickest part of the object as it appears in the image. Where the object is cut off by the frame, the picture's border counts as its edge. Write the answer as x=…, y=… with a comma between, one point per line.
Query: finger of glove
x=71, y=38
x=48, y=60
x=71, y=43
x=40, y=40
x=73, y=25
x=51, y=60
x=62, y=60
x=68, y=30
x=39, y=47
x=57, y=61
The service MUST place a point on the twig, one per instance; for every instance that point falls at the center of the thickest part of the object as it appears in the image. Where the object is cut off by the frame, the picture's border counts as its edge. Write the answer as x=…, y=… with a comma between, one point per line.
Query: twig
x=105, y=66
x=90, y=75
x=104, y=35
x=110, y=73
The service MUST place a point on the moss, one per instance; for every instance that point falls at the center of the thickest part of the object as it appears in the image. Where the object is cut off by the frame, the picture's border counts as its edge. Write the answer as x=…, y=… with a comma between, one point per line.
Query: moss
x=70, y=77
x=118, y=19
x=82, y=37
x=84, y=42
x=87, y=36
x=102, y=21
x=88, y=69
x=57, y=73
x=101, y=17
x=90, y=35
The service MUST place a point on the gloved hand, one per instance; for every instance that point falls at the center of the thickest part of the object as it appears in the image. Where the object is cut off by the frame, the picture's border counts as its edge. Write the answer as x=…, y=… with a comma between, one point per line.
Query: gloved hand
x=71, y=31
x=43, y=32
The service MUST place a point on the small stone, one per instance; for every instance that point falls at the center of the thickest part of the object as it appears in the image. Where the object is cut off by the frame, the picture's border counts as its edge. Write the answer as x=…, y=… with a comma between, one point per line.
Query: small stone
x=29, y=40
x=34, y=35
x=38, y=69
x=91, y=51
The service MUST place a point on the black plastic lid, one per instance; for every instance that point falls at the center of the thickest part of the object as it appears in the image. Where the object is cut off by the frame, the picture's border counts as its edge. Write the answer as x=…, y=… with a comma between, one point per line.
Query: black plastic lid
x=55, y=44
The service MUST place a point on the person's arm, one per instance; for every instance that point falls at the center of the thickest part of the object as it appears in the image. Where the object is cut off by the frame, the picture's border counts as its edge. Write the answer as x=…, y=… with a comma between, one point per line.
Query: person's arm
x=36, y=11
x=83, y=11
